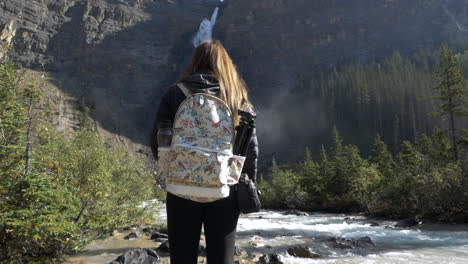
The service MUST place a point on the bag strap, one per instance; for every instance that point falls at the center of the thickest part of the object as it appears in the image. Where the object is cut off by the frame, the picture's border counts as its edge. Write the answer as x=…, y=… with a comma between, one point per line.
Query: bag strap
x=184, y=89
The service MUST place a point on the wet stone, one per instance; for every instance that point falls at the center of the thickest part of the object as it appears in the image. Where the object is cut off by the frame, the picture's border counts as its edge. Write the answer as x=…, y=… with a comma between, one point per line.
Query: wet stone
x=408, y=222
x=164, y=247
x=302, y=252
x=138, y=256
x=156, y=235
x=364, y=242
x=340, y=243
x=133, y=235
x=147, y=230
x=271, y=259
x=344, y=243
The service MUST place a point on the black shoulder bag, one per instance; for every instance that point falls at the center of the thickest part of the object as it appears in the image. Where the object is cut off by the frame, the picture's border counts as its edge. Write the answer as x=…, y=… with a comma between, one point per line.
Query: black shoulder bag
x=247, y=193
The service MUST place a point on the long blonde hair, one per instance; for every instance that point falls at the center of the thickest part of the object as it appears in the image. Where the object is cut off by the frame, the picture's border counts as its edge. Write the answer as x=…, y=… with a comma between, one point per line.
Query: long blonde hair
x=211, y=56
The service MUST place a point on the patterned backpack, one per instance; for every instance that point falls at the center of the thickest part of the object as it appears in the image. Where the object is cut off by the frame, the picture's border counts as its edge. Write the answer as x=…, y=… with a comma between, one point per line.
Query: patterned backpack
x=200, y=165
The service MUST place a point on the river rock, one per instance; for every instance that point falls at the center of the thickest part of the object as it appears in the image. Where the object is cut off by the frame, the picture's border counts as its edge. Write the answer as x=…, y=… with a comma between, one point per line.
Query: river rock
x=160, y=240
x=271, y=259
x=340, y=243
x=345, y=243
x=138, y=256
x=157, y=235
x=147, y=230
x=364, y=242
x=302, y=252
x=408, y=222
x=374, y=224
x=133, y=235
x=164, y=247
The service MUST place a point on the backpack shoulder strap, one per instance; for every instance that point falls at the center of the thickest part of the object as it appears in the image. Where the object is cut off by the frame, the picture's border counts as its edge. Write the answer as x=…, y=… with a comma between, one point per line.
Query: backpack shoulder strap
x=184, y=89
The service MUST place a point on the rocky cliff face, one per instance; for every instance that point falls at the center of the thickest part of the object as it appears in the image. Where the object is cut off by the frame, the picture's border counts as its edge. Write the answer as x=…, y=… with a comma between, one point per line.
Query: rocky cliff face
x=118, y=56
x=7, y=33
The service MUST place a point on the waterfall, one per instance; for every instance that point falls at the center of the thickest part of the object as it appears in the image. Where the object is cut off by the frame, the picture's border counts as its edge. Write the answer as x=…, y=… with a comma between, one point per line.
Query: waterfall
x=205, y=31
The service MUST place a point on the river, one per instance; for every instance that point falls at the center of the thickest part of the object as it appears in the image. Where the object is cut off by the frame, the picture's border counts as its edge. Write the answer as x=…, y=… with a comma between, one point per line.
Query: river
x=274, y=232
x=429, y=243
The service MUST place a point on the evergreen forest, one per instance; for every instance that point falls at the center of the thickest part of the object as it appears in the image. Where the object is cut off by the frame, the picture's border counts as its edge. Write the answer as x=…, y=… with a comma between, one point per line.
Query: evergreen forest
x=415, y=109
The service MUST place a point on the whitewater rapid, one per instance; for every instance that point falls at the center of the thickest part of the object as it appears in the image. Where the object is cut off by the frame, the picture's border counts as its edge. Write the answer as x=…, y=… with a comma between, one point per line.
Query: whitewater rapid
x=435, y=243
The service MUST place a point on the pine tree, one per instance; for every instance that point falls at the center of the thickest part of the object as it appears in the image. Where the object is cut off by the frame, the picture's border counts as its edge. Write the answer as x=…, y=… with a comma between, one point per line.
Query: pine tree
x=54, y=198
x=310, y=179
x=323, y=155
x=12, y=132
x=337, y=144
x=452, y=92
x=274, y=167
x=382, y=158
x=409, y=172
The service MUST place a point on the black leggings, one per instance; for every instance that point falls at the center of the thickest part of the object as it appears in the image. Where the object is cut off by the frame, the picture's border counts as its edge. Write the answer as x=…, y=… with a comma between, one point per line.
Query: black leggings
x=184, y=222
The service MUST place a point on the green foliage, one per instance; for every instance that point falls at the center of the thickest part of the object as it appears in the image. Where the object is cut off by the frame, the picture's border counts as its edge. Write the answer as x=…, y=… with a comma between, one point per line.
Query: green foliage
x=36, y=221
x=382, y=158
x=105, y=180
x=365, y=188
x=75, y=188
x=452, y=92
x=12, y=125
x=311, y=180
x=390, y=97
x=423, y=180
x=283, y=190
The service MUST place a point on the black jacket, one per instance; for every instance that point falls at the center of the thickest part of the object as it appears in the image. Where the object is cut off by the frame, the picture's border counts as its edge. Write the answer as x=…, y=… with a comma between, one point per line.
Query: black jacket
x=198, y=83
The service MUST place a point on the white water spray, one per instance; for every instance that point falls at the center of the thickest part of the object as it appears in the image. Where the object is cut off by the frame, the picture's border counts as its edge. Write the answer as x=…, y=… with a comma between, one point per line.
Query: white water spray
x=205, y=32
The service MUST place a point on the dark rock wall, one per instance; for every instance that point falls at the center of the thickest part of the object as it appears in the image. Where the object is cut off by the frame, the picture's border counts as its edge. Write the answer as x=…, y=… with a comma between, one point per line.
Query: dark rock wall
x=118, y=56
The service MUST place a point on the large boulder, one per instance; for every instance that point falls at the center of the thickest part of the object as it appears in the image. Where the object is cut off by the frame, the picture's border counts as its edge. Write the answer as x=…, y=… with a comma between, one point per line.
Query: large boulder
x=138, y=256
x=302, y=252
